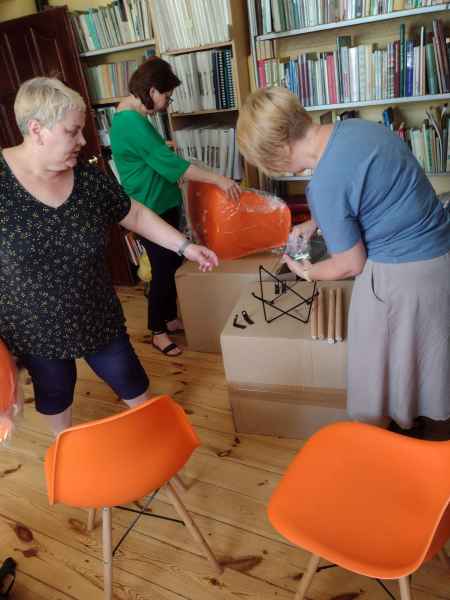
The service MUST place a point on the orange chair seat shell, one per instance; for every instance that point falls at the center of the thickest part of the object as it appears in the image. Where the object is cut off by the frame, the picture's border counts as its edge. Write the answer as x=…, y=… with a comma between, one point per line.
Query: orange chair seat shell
x=7, y=379
x=102, y=463
x=369, y=500
x=234, y=229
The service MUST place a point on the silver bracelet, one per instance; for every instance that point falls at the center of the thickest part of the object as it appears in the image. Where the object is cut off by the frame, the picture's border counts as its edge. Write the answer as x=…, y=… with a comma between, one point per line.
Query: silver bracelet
x=183, y=247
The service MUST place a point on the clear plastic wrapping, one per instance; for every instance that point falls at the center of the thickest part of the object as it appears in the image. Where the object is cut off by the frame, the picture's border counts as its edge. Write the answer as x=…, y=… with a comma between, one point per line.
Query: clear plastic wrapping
x=312, y=250
x=256, y=222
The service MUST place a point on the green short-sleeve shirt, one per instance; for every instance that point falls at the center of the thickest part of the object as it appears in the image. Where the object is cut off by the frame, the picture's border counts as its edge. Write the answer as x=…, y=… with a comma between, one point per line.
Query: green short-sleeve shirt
x=149, y=170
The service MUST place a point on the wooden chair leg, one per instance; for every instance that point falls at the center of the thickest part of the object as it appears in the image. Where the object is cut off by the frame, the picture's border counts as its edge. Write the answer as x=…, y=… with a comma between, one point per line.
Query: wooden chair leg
x=192, y=527
x=179, y=484
x=305, y=581
x=107, y=553
x=445, y=560
x=405, y=589
x=91, y=519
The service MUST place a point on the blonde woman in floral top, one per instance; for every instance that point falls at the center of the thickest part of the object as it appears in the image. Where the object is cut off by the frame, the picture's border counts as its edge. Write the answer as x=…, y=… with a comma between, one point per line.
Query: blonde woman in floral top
x=57, y=302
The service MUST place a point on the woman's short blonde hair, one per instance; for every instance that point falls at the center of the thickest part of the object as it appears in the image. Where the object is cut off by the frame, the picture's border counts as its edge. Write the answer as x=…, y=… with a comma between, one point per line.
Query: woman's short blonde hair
x=270, y=121
x=44, y=99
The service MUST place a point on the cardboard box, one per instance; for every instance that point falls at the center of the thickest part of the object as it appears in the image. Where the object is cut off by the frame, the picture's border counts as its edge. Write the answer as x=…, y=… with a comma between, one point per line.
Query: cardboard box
x=280, y=381
x=207, y=299
x=285, y=412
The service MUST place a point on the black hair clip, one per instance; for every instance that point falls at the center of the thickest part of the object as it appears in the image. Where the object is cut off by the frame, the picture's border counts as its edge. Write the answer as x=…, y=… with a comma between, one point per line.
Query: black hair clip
x=247, y=318
x=236, y=324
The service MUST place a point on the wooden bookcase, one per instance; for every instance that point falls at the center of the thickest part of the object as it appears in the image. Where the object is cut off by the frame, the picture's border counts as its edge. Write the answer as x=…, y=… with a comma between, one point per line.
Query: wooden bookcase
x=380, y=29
x=238, y=42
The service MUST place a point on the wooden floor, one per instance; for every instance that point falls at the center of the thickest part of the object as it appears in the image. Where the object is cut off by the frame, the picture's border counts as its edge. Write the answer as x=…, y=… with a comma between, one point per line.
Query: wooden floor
x=230, y=478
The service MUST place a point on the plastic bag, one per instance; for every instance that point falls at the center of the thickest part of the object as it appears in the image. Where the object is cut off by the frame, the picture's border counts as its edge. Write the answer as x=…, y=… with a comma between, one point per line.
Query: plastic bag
x=233, y=229
x=144, y=269
x=11, y=400
x=312, y=250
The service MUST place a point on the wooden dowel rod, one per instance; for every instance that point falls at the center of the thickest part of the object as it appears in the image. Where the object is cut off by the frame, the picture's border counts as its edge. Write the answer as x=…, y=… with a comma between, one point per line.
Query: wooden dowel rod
x=339, y=315
x=321, y=316
x=314, y=333
x=331, y=315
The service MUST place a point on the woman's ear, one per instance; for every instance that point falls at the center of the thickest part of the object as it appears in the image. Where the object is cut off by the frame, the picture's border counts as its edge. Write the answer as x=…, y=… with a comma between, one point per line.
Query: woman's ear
x=35, y=130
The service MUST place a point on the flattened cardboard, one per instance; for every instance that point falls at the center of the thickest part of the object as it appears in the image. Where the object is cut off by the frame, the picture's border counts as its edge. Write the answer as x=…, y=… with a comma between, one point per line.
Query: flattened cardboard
x=207, y=299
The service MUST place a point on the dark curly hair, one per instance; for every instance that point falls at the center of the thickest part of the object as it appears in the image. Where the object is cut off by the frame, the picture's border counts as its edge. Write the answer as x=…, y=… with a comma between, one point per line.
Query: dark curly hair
x=154, y=72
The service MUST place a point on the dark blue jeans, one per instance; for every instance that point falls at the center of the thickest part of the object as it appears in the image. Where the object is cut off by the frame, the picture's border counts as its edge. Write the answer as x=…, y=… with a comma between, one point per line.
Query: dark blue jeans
x=54, y=379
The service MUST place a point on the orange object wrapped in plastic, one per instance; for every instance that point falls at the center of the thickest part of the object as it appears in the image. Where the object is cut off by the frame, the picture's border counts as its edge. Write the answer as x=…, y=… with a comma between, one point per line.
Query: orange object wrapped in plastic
x=257, y=222
x=9, y=406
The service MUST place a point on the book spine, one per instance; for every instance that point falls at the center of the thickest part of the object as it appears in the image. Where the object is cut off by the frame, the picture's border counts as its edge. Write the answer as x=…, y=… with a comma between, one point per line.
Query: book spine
x=402, y=60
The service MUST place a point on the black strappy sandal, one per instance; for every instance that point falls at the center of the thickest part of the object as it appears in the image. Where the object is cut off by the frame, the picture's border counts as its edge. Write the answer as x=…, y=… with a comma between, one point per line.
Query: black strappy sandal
x=7, y=577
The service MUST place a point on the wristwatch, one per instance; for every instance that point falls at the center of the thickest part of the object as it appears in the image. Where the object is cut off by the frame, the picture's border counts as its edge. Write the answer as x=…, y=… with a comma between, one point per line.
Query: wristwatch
x=183, y=247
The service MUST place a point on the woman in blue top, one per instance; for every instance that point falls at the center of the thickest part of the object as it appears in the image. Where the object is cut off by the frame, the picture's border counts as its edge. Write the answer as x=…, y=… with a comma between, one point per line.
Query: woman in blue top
x=382, y=223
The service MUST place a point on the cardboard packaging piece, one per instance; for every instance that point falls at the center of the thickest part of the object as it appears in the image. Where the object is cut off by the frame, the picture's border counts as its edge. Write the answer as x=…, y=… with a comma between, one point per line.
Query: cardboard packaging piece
x=280, y=381
x=285, y=412
x=207, y=299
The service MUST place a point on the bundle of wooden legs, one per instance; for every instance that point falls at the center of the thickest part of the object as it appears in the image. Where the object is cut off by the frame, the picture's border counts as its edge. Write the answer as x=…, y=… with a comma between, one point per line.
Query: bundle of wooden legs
x=329, y=302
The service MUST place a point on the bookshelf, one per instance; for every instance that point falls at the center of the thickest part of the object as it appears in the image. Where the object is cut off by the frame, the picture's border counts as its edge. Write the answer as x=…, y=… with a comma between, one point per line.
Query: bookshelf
x=122, y=48
x=318, y=38
x=222, y=32
x=398, y=14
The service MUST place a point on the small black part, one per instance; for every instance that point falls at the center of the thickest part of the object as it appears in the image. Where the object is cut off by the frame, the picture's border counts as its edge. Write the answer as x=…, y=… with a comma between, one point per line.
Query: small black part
x=277, y=288
x=236, y=324
x=247, y=318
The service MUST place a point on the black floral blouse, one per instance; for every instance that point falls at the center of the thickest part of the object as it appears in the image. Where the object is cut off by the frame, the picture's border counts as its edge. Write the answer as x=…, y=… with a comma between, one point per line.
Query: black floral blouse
x=56, y=294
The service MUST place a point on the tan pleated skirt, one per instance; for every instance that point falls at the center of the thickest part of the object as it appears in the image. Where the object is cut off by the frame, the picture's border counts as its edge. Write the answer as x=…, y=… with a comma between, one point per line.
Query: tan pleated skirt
x=399, y=342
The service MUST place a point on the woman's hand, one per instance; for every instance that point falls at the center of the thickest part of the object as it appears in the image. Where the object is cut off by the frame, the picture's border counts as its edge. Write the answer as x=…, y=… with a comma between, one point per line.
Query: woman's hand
x=229, y=186
x=306, y=229
x=302, y=270
x=205, y=257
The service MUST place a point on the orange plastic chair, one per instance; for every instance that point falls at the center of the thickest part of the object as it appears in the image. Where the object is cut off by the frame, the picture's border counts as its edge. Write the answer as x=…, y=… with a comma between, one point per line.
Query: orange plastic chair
x=365, y=499
x=236, y=229
x=7, y=378
x=8, y=382
x=120, y=459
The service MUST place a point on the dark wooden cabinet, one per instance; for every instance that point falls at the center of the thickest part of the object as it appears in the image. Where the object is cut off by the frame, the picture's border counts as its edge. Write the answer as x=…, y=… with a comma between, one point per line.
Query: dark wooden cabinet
x=44, y=45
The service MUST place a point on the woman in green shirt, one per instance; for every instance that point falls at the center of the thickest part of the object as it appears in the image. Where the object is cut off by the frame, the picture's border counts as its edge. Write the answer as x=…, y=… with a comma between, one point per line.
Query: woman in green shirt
x=150, y=172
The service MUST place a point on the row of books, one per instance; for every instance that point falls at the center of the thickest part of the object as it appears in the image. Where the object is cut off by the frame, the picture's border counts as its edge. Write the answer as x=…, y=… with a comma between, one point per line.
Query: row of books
x=364, y=72
x=118, y=23
x=214, y=146
x=207, y=81
x=430, y=143
x=191, y=23
x=285, y=15
x=109, y=80
x=103, y=121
